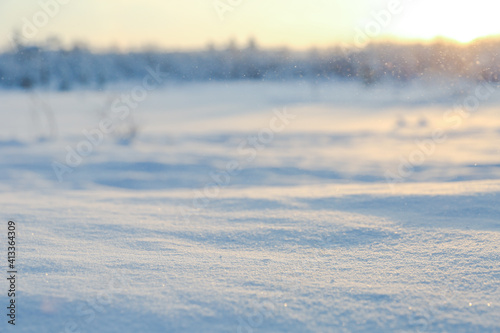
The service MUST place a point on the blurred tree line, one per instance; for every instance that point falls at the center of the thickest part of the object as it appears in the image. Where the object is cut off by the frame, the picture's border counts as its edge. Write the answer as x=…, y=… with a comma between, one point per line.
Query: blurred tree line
x=49, y=65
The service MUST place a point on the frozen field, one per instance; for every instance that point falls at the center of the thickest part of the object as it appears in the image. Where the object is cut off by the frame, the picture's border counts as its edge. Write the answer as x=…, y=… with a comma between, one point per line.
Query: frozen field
x=250, y=207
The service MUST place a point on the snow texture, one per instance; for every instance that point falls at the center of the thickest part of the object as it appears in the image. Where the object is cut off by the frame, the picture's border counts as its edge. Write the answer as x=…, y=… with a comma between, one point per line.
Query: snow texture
x=151, y=233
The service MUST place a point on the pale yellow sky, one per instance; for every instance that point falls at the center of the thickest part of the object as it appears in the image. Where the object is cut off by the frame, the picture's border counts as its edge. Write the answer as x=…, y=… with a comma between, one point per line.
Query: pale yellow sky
x=176, y=24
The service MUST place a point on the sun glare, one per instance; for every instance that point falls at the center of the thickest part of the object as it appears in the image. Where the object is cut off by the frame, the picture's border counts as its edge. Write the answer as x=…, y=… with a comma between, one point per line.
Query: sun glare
x=460, y=21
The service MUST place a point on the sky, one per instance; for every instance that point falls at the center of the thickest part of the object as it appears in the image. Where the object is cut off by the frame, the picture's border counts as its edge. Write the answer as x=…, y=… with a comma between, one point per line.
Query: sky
x=191, y=24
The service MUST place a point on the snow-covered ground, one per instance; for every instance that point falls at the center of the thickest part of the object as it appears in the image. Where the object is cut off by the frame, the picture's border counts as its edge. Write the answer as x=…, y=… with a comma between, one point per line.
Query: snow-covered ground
x=253, y=207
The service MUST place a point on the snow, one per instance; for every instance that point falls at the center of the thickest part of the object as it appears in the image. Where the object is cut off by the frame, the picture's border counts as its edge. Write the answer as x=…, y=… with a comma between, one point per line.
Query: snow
x=308, y=236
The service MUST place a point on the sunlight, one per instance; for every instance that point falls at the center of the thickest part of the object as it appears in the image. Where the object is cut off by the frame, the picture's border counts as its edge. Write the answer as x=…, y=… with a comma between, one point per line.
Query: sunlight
x=462, y=22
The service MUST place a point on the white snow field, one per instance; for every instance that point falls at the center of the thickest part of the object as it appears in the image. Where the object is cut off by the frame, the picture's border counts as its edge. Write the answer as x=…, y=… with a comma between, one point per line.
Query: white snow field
x=253, y=207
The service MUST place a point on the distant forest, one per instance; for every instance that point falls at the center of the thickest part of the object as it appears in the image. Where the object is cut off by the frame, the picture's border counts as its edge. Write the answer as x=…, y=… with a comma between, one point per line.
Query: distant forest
x=53, y=67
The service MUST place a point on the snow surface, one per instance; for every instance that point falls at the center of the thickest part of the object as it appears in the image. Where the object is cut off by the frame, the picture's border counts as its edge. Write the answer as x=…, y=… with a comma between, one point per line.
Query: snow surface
x=308, y=237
